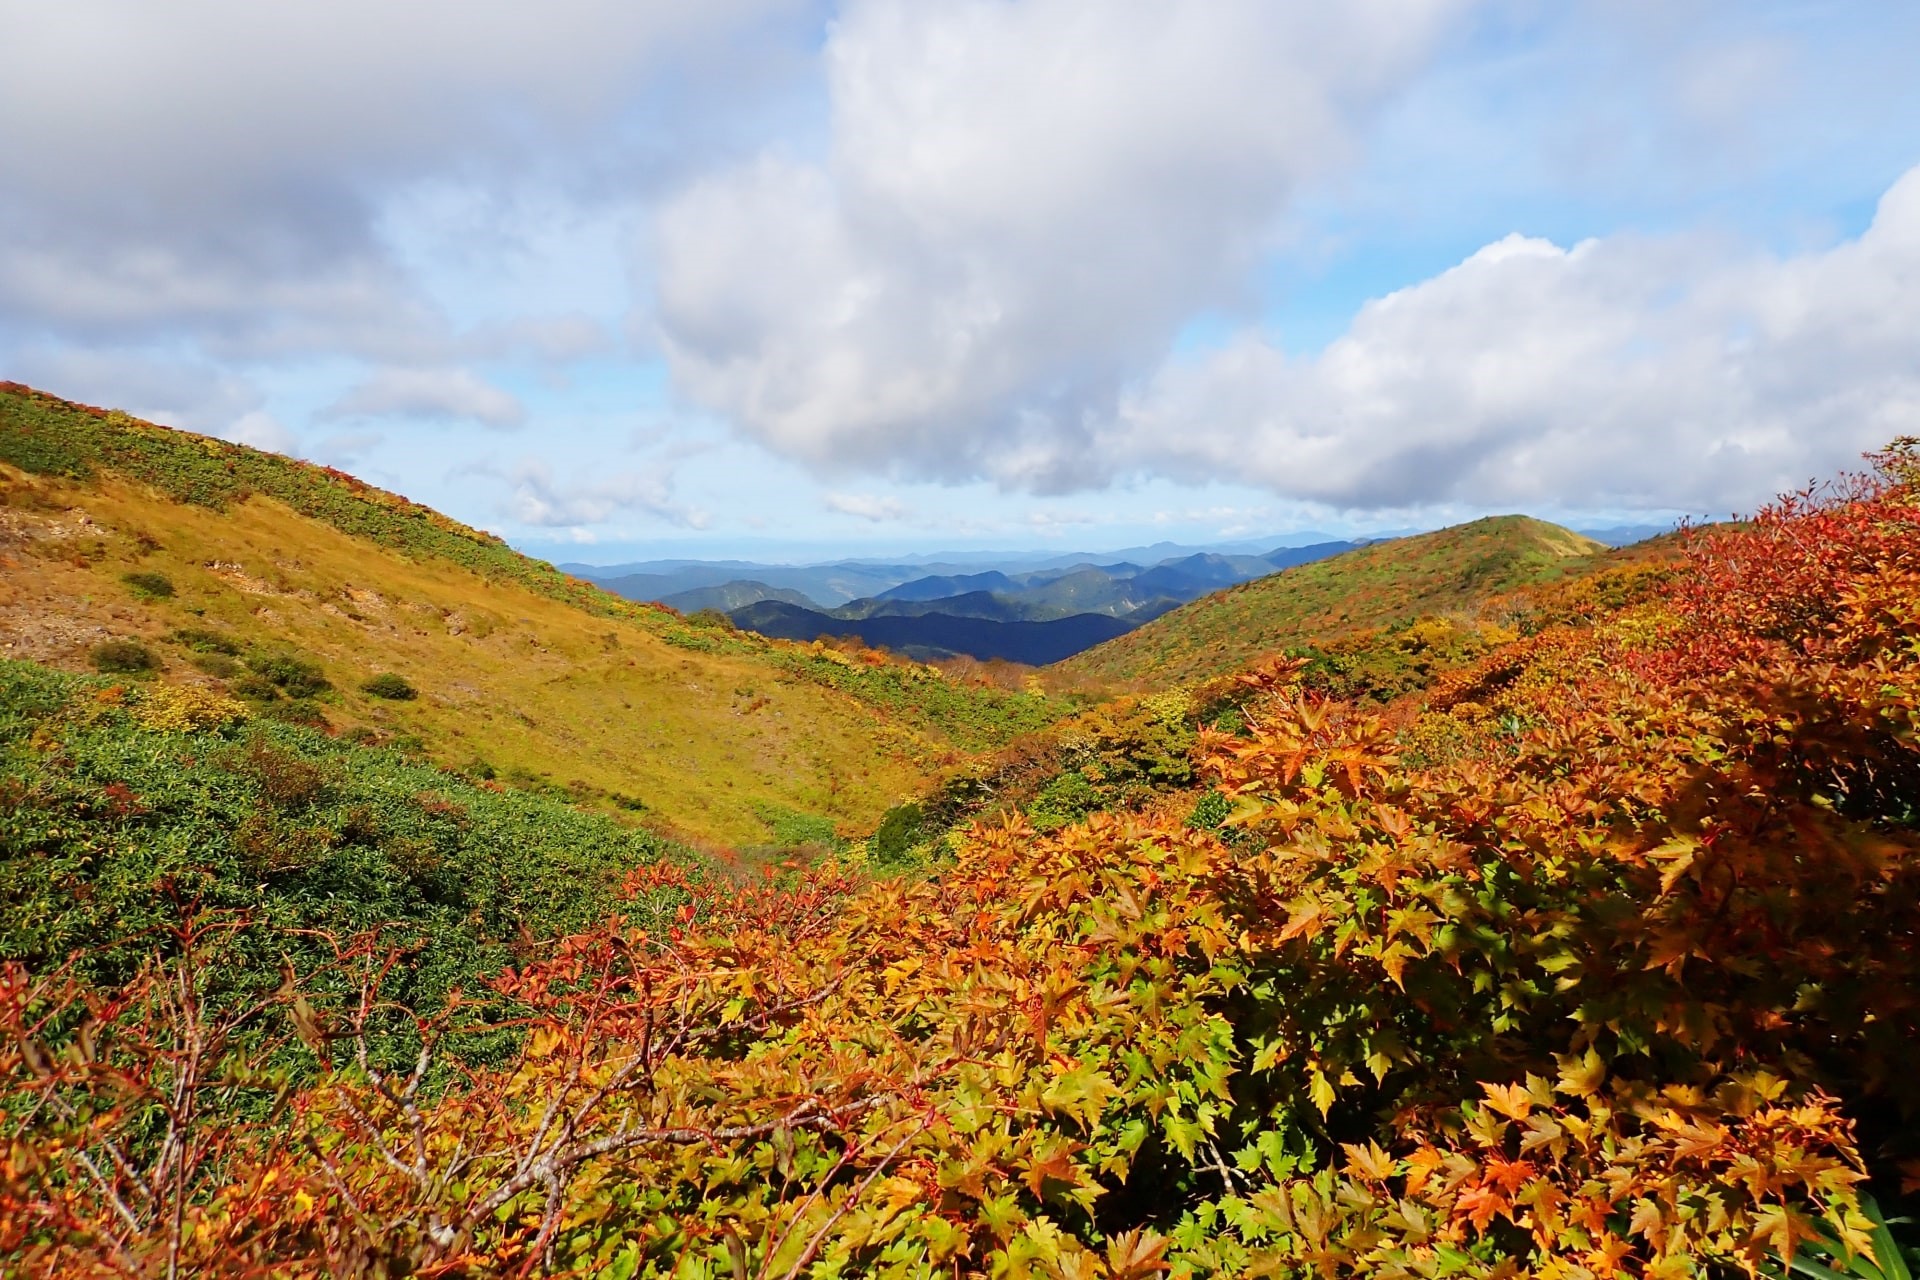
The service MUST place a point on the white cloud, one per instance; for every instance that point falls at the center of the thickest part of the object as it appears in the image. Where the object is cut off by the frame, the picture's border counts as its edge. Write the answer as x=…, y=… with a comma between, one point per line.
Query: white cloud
x=541, y=500
x=184, y=393
x=866, y=506
x=220, y=168
x=1675, y=372
x=262, y=431
x=1023, y=204
x=447, y=394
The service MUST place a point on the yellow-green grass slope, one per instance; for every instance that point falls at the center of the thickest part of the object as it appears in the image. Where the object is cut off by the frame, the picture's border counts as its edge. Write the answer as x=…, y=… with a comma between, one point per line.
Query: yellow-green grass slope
x=1386, y=582
x=547, y=679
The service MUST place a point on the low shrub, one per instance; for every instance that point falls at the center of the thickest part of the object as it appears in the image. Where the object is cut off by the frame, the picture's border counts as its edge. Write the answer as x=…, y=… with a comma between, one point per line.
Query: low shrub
x=300, y=711
x=1209, y=812
x=148, y=585
x=201, y=640
x=296, y=677
x=392, y=687
x=217, y=664
x=186, y=709
x=900, y=830
x=256, y=688
x=1064, y=801
x=123, y=657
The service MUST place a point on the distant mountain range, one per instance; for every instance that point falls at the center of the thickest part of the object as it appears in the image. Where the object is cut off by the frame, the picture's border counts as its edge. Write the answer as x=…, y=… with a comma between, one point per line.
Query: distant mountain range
x=1026, y=607
x=940, y=635
x=1034, y=616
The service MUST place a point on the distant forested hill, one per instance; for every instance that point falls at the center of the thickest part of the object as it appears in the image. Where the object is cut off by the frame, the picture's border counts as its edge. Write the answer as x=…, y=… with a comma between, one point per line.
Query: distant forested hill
x=1376, y=584
x=934, y=635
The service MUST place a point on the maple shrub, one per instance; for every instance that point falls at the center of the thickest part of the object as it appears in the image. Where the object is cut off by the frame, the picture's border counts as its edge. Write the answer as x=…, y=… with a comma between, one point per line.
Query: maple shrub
x=1622, y=982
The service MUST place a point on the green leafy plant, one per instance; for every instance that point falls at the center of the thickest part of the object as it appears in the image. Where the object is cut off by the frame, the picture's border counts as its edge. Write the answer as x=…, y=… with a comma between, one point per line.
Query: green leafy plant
x=1862, y=1250
x=1209, y=812
x=900, y=830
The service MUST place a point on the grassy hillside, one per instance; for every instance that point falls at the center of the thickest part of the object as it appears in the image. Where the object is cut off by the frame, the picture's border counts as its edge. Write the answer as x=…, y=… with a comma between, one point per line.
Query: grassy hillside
x=1377, y=584
x=223, y=562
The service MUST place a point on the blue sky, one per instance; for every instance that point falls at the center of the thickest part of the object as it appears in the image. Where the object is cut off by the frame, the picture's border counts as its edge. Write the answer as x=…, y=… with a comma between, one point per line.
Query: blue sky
x=790, y=280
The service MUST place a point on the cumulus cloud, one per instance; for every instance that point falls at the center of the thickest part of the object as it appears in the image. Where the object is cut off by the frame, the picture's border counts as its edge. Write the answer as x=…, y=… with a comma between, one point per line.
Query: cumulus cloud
x=1023, y=204
x=866, y=506
x=1673, y=372
x=185, y=393
x=263, y=431
x=221, y=167
x=539, y=499
x=444, y=394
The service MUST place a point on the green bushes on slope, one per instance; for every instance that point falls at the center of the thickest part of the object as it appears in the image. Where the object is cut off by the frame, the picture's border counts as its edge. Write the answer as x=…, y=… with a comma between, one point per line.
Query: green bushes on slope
x=116, y=808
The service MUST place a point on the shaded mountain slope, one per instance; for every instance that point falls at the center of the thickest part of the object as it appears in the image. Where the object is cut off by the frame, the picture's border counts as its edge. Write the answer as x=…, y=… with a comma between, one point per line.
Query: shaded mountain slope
x=520, y=670
x=1376, y=584
x=942, y=586
x=737, y=594
x=935, y=635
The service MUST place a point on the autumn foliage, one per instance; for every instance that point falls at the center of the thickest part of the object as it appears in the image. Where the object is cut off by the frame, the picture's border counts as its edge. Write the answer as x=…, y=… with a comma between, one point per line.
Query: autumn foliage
x=1597, y=961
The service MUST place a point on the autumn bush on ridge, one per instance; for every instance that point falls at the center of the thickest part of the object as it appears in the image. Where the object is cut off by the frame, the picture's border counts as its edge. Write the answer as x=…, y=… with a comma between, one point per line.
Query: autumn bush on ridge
x=1602, y=963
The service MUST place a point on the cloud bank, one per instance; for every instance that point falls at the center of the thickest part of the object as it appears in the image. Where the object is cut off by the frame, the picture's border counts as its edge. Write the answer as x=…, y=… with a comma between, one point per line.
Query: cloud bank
x=1623, y=371
x=1023, y=203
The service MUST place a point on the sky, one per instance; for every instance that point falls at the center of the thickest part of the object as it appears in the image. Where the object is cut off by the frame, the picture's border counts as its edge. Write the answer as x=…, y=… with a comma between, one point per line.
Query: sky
x=619, y=279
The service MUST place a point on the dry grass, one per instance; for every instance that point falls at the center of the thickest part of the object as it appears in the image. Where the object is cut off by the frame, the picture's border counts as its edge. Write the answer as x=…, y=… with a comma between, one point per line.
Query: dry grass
x=539, y=689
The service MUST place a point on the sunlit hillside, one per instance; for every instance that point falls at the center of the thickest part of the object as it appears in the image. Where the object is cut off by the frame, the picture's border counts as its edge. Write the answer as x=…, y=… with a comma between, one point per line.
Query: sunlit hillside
x=1374, y=585
x=221, y=559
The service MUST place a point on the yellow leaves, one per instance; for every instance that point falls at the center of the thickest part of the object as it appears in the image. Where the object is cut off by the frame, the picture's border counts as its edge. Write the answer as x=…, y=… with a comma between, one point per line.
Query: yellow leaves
x=1514, y=1101
x=1136, y=1254
x=897, y=1193
x=1051, y=1170
x=1675, y=858
x=1081, y=1092
x=1782, y=1229
x=1606, y=1256
x=1394, y=960
x=1648, y=1221
x=187, y=708
x=1303, y=920
x=895, y=975
x=1369, y=1162
x=1581, y=1075
x=1320, y=1090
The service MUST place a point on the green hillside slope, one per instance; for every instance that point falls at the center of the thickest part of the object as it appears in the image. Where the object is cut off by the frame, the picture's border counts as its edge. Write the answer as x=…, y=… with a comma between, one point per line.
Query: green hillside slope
x=1381, y=583
x=227, y=564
